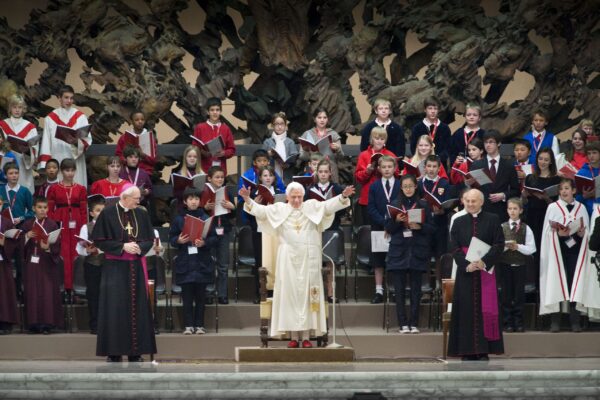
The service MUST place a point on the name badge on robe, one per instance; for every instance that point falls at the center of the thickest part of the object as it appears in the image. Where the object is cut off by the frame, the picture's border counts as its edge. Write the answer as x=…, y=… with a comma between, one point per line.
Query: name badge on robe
x=216, y=163
x=192, y=250
x=407, y=233
x=72, y=224
x=220, y=230
x=35, y=259
x=570, y=242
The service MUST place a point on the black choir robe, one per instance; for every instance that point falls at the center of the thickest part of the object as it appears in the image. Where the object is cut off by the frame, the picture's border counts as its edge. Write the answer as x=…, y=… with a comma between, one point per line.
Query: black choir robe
x=466, y=327
x=8, y=292
x=125, y=325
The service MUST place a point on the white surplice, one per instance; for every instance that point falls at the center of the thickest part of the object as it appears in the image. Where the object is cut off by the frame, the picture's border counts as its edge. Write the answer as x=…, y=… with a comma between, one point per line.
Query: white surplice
x=298, y=298
x=585, y=289
x=25, y=130
x=54, y=148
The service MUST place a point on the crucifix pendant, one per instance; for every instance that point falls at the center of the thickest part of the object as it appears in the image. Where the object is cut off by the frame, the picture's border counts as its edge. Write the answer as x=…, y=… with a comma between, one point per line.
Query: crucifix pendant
x=129, y=229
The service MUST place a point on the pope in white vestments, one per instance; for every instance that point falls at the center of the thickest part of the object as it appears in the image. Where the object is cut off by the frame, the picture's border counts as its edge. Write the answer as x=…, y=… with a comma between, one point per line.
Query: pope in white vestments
x=298, y=294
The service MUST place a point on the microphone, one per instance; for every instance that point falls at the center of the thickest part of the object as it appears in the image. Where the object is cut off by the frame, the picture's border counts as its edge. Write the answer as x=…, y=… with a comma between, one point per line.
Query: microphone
x=334, y=236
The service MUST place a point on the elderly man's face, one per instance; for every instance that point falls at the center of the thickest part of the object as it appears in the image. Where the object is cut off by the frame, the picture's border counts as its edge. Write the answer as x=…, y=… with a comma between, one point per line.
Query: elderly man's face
x=473, y=202
x=132, y=200
x=295, y=198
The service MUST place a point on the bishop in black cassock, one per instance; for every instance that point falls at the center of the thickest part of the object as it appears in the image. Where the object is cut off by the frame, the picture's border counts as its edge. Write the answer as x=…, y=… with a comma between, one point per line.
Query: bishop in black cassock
x=125, y=324
x=472, y=335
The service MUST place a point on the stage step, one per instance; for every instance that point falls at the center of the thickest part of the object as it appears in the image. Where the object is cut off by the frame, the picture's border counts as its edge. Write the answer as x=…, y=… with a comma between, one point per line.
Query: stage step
x=290, y=381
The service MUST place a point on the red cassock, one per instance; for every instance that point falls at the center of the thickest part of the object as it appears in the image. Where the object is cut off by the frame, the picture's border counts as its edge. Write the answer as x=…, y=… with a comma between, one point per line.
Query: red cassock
x=106, y=188
x=68, y=206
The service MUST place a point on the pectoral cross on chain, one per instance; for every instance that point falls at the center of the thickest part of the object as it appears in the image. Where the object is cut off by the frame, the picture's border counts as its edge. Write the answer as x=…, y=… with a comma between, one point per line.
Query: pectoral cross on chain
x=129, y=228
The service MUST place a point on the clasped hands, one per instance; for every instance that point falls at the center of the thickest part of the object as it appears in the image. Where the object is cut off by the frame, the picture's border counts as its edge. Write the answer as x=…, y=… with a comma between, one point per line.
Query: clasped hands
x=476, y=265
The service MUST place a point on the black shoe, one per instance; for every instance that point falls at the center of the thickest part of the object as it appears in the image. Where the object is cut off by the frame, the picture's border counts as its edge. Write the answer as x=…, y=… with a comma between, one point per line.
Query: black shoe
x=112, y=359
x=469, y=358
x=483, y=357
x=509, y=329
x=209, y=301
x=46, y=331
x=377, y=299
x=520, y=329
x=93, y=332
x=135, y=359
x=223, y=300
x=156, y=331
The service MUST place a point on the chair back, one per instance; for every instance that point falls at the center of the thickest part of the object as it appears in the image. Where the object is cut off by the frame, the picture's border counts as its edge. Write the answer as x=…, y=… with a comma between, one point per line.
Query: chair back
x=79, y=284
x=245, y=248
x=363, y=245
x=335, y=249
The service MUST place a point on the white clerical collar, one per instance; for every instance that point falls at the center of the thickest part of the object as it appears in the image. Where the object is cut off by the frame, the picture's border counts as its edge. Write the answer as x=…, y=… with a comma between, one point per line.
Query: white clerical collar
x=123, y=207
x=212, y=124
x=475, y=215
x=429, y=123
x=383, y=124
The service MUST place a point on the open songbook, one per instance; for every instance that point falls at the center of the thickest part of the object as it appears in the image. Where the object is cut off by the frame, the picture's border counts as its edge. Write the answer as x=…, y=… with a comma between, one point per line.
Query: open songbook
x=320, y=146
x=527, y=169
x=415, y=215
x=13, y=233
x=583, y=183
x=42, y=235
x=144, y=141
x=70, y=135
x=412, y=169
x=281, y=158
x=435, y=202
x=180, y=183
x=550, y=191
x=304, y=180
x=478, y=175
x=196, y=228
x=22, y=146
x=216, y=196
x=268, y=197
x=316, y=194
x=573, y=225
x=213, y=146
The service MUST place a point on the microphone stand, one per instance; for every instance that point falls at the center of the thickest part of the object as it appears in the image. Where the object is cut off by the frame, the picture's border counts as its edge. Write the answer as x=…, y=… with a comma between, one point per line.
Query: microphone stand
x=333, y=345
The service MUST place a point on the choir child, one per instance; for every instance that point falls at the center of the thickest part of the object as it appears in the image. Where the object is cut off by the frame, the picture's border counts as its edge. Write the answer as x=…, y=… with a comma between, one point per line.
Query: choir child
x=591, y=169
x=211, y=129
x=382, y=192
x=333, y=151
x=563, y=256
x=135, y=174
x=463, y=136
x=410, y=252
x=587, y=125
x=538, y=137
x=112, y=185
x=475, y=333
x=8, y=292
x=223, y=228
x=313, y=164
x=51, y=147
x=67, y=204
x=16, y=197
x=92, y=264
x=505, y=183
x=281, y=148
x=518, y=245
x=194, y=268
x=521, y=150
x=367, y=170
x=460, y=168
x=574, y=156
x=425, y=148
x=16, y=126
x=50, y=176
x=395, y=134
x=260, y=159
x=146, y=161
x=434, y=187
x=324, y=189
x=543, y=176
x=42, y=274
x=438, y=131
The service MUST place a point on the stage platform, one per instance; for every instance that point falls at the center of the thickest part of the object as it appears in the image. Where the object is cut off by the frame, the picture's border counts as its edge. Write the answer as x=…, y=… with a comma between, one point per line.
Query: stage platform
x=403, y=379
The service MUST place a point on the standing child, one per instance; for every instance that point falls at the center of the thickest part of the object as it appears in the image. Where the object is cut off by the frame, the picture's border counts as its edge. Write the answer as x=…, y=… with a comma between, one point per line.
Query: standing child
x=425, y=148
x=16, y=126
x=134, y=173
x=51, y=178
x=278, y=143
x=395, y=134
x=562, y=255
x=382, y=192
x=190, y=162
x=438, y=131
x=409, y=253
x=8, y=292
x=16, y=197
x=519, y=244
x=463, y=136
x=475, y=152
x=139, y=133
x=313, y=164
x=574, y=155
x=112, y=185
x=333, y=152
x=538, y=137
x=591, y=169
x=41, y=274
x=67, y=204
x=194, y=268
x=92, y=265
x=212, y=128
x=587, y=125
x=260, y=159
x=223, y=228
x=522, y=150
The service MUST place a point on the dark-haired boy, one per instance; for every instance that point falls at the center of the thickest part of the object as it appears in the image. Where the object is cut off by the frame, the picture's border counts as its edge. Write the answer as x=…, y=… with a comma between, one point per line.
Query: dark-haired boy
x=431, y=125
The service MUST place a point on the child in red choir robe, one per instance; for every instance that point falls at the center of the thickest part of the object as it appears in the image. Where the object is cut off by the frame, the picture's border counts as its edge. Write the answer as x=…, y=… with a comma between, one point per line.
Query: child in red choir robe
x=51, y=178
x=112, y=186
x=41, y=273
x=461, y=166
x=67, y=204
x=141, y=138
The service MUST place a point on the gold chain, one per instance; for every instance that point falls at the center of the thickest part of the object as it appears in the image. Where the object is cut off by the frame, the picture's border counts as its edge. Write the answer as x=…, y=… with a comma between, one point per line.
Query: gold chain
x=129, y=227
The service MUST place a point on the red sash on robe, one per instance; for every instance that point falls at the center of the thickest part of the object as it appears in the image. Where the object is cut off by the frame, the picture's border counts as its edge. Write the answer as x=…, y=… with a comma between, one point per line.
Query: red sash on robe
x=22, y=133
x=54, y=117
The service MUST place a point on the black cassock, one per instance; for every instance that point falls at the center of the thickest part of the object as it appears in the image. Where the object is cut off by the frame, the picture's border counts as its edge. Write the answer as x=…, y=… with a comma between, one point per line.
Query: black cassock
x=466, y=327
x=125, y=324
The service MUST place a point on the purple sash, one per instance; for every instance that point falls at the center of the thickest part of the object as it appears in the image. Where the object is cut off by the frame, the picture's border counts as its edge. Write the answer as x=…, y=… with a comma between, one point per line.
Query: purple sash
x=489, y=304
